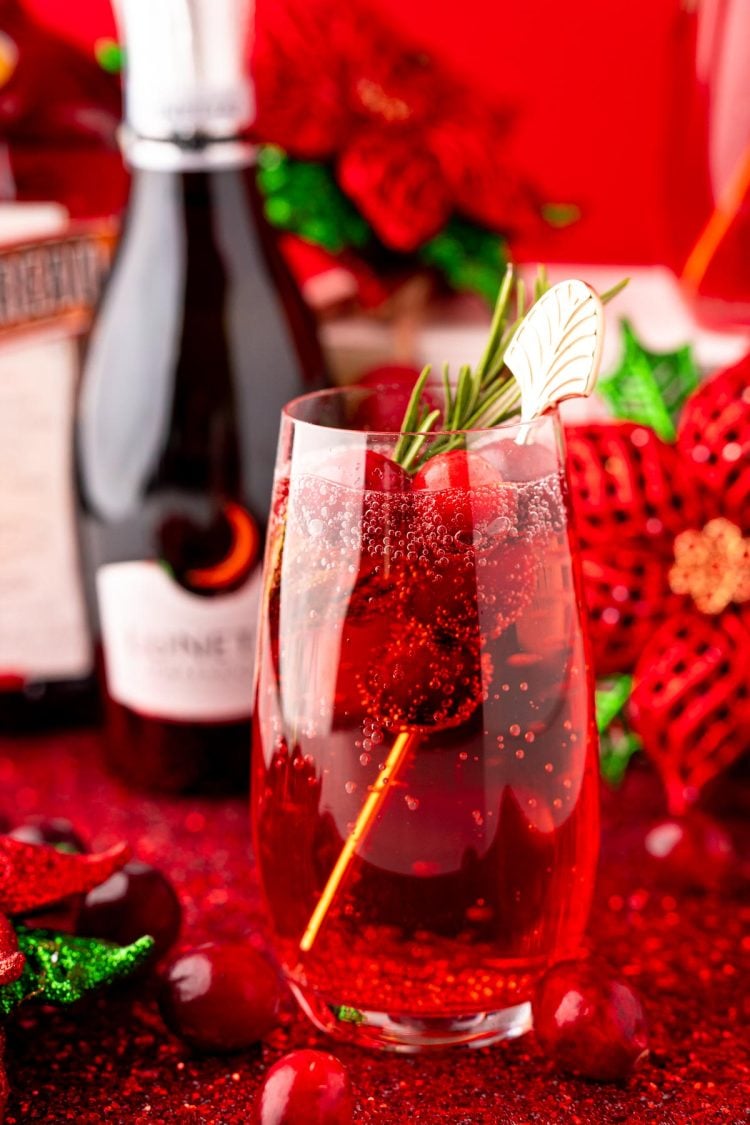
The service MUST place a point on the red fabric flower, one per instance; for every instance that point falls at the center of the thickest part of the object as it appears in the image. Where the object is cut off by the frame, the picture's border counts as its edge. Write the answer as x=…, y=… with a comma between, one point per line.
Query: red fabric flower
x=410, y=145
x=666, y=566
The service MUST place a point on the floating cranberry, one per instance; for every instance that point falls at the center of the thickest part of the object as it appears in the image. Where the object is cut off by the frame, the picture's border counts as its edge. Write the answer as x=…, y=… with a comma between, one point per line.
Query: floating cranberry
x=305, y=1088
x=56, y=831
x=136, y=900
x=384, y=411
x=522, y=462
x=467, y=492
x=590, y=1023
x=360, y=468
x=220, y=996
x=692, y=852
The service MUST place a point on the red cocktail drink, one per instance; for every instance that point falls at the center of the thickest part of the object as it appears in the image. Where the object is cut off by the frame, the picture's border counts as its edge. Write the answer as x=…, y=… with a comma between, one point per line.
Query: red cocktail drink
x=440, y=609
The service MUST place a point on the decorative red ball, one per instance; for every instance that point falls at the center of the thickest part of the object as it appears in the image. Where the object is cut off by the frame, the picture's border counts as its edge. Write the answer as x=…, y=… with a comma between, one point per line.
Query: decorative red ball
x=691, y=853
x=220, y=996
x=305, y=1088
x=136, y=900
x=590, y=1023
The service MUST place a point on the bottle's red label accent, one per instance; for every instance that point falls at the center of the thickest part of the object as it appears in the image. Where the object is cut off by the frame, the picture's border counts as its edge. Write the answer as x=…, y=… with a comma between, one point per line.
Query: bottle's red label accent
x=242, y=554
x=176, y=655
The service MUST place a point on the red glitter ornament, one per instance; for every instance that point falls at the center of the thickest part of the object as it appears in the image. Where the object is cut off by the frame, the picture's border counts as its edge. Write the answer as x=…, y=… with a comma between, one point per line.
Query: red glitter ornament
x=220, y=996
x=666, y=565
x=590, y=1023
x=305, y=1088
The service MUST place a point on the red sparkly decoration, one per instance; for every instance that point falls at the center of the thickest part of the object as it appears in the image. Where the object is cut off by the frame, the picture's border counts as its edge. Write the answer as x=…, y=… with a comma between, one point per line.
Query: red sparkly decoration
x=411, y=145
x=32, y=876
x=666, y=565
x=305, y=1088
x=11, y=961
x=590, y=1023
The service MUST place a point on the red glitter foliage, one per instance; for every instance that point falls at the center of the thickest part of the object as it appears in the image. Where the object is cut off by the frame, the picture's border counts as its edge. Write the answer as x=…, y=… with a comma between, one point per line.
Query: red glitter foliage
x=33, y=876
x=633, y=495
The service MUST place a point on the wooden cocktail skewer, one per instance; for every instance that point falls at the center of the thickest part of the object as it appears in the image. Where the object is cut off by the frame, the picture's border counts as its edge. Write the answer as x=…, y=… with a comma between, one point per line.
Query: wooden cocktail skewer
x=554, y=354
x=362, y=826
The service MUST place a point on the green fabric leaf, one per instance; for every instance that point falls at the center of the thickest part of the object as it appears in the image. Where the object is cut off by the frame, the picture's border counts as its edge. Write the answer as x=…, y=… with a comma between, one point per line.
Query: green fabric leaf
x=470, y=258
x=650, y=387
x=61, y=968
x=617, y=743
x=611, y=697
x=303, y=197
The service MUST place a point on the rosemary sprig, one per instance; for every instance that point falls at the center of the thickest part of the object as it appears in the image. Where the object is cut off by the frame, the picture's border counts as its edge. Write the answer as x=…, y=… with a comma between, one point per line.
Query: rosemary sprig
x=480, y=397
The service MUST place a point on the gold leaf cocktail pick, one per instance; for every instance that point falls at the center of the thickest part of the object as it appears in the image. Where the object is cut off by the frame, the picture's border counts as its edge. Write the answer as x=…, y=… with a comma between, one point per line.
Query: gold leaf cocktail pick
x=556, y=350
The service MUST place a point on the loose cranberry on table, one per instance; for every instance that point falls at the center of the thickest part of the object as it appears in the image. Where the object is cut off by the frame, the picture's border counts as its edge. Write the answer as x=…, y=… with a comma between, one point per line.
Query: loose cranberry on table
x=136, y=900
x=590, y=1023
x=691, y=853
x=305, y=1088
x=221, y=996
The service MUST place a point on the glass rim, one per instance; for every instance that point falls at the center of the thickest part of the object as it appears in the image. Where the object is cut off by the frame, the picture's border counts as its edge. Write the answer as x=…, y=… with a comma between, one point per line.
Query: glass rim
x=552, y=414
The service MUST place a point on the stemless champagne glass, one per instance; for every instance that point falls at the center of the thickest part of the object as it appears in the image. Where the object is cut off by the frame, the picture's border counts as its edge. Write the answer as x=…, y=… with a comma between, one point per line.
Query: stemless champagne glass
x=424, y=765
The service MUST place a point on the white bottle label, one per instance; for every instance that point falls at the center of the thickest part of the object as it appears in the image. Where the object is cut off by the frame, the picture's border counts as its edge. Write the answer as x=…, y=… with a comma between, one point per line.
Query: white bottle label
x=175, y=655
x=43, y=629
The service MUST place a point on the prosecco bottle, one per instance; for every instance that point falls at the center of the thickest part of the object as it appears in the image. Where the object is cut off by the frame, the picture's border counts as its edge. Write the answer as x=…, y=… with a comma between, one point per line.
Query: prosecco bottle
x=200, y=338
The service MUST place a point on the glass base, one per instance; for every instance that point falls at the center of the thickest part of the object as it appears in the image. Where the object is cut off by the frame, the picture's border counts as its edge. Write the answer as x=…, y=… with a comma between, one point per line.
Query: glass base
x=412, y=1034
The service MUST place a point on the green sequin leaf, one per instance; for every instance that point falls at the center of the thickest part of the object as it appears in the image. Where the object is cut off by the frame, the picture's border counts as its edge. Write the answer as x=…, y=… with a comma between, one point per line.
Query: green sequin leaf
x=650, y=387
x=302, y=197
x=61, y=968
x=470, y=258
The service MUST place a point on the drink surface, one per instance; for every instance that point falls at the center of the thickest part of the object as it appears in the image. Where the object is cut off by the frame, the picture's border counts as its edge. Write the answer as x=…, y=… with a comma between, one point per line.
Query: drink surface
x=451, y=615
x=200, y=338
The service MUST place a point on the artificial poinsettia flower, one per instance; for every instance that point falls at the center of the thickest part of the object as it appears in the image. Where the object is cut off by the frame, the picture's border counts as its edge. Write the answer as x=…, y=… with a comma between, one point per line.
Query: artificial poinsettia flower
x=665, y=545
x=62, y=967
x=409, y=144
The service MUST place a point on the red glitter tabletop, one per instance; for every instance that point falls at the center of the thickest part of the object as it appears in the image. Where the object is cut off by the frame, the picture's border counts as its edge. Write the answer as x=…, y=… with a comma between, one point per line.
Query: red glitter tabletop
x=112, y=1060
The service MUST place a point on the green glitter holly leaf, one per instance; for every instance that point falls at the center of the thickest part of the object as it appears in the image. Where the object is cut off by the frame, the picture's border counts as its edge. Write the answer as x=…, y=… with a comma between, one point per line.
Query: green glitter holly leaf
x=650, y=387
x=303, y=197
x=470, y=258
x=617, y=743
x=61, y=968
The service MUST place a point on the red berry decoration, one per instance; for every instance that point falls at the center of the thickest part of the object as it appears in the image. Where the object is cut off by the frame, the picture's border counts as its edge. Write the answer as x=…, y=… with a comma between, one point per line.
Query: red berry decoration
x=220, y=996
x=136, y=900
x=691, y=853
x=589, y=1023
x=305, y=1088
